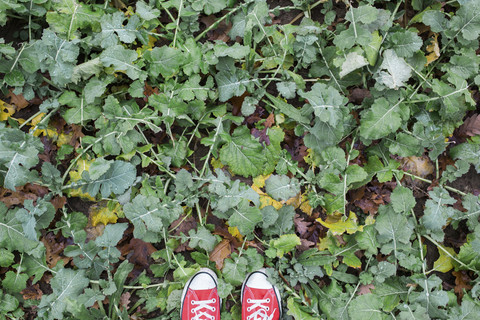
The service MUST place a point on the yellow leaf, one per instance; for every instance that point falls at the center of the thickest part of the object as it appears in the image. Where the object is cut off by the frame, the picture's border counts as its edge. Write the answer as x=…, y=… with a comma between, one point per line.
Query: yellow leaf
x=75, y=175
x=433, y=50
x=269, y=201
x=325, y=243
x=235, y=233
x=444, y=262
x=295, y=201
x=6, y=111
x=101, y=213
x=338, y=225
x=216, y=164
x=305, y=206
x=259, y=181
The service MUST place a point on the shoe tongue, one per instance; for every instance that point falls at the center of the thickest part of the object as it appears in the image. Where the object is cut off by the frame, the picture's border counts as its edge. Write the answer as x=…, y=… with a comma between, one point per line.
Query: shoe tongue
x=205, y=294
x=259, y=293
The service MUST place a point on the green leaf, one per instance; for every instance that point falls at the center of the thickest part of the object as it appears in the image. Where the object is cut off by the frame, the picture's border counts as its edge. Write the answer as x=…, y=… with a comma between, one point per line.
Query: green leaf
x=18, y=153
x=243, y=154
x=150, y=217
x=383, y=118
x=367, y=239
x=6, y=258
x=406, y=43
x=432, y=296
x=117, y=179
x=34, y=218
x=245, y=217
x=289, y=110
x=393, y=230
x=466, y=21
x=396, y=73
x=232, y=83
x=122, y=60
x=79, y=110
x=57, y=56
x=353, y=61
x=402, y=200
x=235, y=270
x=469, y=310
x=202, y=238
x=284, y=244
x=366, y=306
x=295, y=310
x=165, y=61
x=209, y=6
x=145, y=11
x=326, y=103
x=435, y=20
x=67, y=283
x=14, y=282
x=437, y=212
x=237, y=51
x=281, y=187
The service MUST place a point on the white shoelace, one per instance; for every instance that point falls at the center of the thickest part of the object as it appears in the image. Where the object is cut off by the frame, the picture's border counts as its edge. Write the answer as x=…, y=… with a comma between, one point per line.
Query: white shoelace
x=261, y=312
x=203, y=304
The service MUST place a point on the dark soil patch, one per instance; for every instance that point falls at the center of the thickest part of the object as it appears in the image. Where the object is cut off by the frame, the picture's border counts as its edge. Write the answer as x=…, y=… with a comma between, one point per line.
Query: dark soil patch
x=468, y=183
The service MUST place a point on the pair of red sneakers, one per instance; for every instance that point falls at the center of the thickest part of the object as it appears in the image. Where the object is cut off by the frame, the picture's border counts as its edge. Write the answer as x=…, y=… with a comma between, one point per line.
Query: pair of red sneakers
x=200, y=300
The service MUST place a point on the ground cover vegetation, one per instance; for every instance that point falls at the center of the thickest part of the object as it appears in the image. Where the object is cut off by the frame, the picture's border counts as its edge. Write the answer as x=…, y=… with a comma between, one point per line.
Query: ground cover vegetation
x=334, y=142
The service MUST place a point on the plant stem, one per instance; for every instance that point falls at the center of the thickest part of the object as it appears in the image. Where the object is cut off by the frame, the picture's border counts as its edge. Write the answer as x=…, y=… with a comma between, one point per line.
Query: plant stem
x=214, y=25
x=429, y=181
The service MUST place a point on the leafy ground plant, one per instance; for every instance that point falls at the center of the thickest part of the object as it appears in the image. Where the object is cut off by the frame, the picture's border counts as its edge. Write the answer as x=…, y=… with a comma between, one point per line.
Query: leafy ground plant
x=334, y=143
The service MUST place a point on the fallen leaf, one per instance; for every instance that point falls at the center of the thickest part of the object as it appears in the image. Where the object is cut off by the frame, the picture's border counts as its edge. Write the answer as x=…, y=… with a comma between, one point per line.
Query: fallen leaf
x=270, y=121
x=301, y=225
x=32, y=292
x=444, y=262
x=337, y=224
x=54, y=245
x=58, y=202
x=101, y=212
x=6, y=111
x=470, y=127
x=365, y=289
x=461, y=282
x=17, y=100
x=138, y=253
x=419, y=166
x=433, y=50
x=220, y=253
x=125, y=299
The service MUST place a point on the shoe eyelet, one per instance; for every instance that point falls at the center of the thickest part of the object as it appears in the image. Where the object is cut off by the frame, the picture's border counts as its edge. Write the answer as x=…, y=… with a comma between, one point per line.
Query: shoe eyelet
x=268, y=308
x=214, y=300
x=192, y=311
x=268, y=301
x=249, y=300
x=248, y=309
x=213, y=309
x=192, y=302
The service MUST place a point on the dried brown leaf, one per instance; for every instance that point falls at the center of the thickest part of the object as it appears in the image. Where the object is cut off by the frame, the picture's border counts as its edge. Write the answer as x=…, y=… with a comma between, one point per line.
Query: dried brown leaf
x=220, y=253
x=471, y=126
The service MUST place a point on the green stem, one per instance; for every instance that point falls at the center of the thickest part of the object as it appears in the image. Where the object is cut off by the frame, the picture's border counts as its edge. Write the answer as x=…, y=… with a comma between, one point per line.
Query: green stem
x=204, y=32
x=429, y=181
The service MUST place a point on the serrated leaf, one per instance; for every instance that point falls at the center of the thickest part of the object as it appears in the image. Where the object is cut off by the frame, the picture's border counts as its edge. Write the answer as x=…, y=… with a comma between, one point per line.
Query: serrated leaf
x=393, y=229
x=396, y=73
x=326, y=103
x=65, y=284
x=437, y=212
x=366, y=306
x=164, y=60
x=117, y=179
x=382, y=118
x=281, y=187
x=202, y=238
x=122, y=60
x=406, y=43
x=339, y=224
x=245, y=217
x=285, y=243
x=402, y=200
x=243, y=154
x=353, y=61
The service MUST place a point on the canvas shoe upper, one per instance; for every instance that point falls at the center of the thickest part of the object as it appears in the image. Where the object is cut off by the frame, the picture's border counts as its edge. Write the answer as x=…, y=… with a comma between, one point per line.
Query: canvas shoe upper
x=260, y=299
x=200, y=300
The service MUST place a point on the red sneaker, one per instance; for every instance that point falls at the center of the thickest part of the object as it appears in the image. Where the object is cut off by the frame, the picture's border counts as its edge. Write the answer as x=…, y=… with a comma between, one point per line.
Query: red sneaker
x=200, y=300
x=260, y=299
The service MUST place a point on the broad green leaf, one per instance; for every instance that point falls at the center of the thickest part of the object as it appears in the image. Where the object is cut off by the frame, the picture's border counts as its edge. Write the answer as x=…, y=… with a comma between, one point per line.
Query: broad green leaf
x=236, y=51
x=245, y=217
x=435, y=20
x=371, y=49
x=281, y=187
x=232, y=83
x=164, y=60
x=295, y=310
x=366, y=306
x=326, y=103
x=113, y=29
x=432, y=297
x=122, y=60
x=288, y=110
x=284, y=244
x=145, y=11
x=402, y=200
x=406, y=43
x=393, y=229
x=469, y=310
x=34, y=218
x=79, y=110
x=396, y=71
x=18, y=154
x=243, y=154
x=117, y=179
x=235, y=270
x=353, y=61
x=66, y=284
x=383, y=118
x=209, y=6
x=437, y=212
x=466, y=21
x=202, y=238
x=14, y=282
